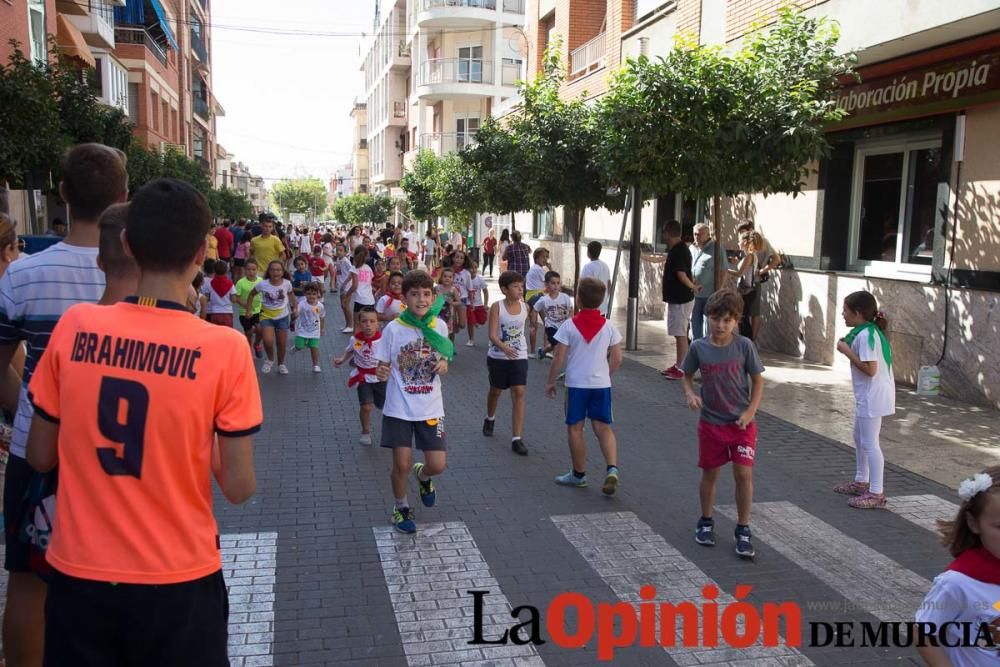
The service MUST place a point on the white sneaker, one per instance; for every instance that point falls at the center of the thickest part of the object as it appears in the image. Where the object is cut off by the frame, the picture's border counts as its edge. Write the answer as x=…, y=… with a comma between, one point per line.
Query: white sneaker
x=282, y=369
x=347, y=330
x=470, y=344
x=265, y=367
x=365, y=439
x=317, y=369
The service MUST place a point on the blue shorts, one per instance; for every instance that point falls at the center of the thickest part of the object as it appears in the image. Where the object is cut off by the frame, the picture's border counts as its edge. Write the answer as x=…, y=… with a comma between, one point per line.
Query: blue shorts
x=280, y=324
x=584, y=403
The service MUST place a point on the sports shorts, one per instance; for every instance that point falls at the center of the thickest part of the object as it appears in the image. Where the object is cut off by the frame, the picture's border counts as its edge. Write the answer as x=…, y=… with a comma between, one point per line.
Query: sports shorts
x=586, y=403
x=718, y=444
x=507, y=373
x=372, y=392
x=428, y=436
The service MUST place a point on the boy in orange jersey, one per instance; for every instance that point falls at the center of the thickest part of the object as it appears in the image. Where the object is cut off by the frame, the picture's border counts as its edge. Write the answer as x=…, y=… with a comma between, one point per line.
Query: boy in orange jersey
x=144, y=389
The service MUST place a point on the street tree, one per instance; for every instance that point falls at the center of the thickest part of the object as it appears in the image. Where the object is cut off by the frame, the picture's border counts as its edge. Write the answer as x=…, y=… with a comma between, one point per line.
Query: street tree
x=709, y=124
x=363, y=209
x=418, y=184
x=231, y=204
x=145, y=164
x=500, y=162
x=300, y=195
x=455, y=192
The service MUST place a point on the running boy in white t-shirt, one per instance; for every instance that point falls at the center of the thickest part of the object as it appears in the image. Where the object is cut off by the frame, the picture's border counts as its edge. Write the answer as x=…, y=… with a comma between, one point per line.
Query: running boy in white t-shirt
x=507, y=357
x=362, y=350
x=414, y=353
x=478, y=297
x=390, y=304
x=585, y=344
x=534, y=287
x=342, y=274
x=555, y=308
x=311, y=322
x=221, y=295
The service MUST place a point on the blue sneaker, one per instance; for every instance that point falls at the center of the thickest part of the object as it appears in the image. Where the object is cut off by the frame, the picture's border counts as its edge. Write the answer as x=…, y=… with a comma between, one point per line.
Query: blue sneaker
x=570, y=479
x=427, y=494
x=611, y=482
x=744, y=546
x=404, y=520
x=540, y=353
x=704, y=534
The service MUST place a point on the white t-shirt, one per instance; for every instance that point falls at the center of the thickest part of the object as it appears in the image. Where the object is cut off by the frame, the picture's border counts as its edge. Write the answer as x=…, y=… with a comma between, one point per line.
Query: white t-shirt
x=960, y=598
x=535, y=280
x=309, y=319
x=414, y=389
x=476, y=286
x=365, y=356
x=344, y=268
x=556, y=311
x=873, y=396
x=463, y=281
x=274, y=299
x=364, y=294
x=587, y=363
x=596, y=268
x=218, y=305
x=511, y=332
x=389, y=305
x=305, y=245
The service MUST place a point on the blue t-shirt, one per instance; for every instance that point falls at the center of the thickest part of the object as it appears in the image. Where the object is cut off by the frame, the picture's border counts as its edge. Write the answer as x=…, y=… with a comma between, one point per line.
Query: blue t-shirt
x=299, y=281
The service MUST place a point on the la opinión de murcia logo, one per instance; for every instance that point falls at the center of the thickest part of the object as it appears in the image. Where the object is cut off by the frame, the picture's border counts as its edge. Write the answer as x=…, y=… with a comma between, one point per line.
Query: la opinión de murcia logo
x=709, y=624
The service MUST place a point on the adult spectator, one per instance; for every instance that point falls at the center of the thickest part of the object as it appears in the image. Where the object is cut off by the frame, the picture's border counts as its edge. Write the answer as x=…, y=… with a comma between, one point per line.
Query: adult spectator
x=703, y=274
x=267, y=247
x=599, y=270
x=678, y=292
x=489, y=251
x=412, y=236
x=226, y=240
x=517, y=255
x=747, y=277
x=457, y=240
x=58, y=228
x=211, y=244
x=386, y=234
x=237, y=231
x=34, y=293
x=354, y=239
x=767, y=260
x=502, y=249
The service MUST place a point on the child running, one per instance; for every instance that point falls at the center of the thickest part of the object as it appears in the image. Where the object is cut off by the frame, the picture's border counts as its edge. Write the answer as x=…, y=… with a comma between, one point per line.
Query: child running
x=394, y=265
x=479, y=298
x=728, y=404
x=584, y=345
x=196, y=297
x=319, y=268
x=250, y=317
x=968, y=591
x=534, y=285
x=301, y=277
x=390, y=305
x=311, y=322
x=507, y=357
x=342, y=275
x=874, y=396
x=221, y=296
x=452, y=297
x=276, y=315
x=555, y=307
x=362, y=349
x=413, y=356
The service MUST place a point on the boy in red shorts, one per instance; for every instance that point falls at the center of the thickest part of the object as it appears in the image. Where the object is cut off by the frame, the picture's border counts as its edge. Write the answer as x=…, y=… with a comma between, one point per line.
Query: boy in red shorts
x=145, y=391
x=731, y=389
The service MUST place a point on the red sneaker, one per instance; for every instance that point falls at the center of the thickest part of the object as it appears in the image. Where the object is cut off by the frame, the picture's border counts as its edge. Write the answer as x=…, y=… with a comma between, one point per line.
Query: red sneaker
x=674, y=374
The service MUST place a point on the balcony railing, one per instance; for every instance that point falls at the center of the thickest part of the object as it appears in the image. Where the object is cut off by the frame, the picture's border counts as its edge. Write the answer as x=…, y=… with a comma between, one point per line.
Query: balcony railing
x=456, y=70
x=513, y=6
x=511, y=74
x=447, y=142
x=198, y=46
x=474, y=4
x=589, y=57
x=136, y=35
x=200, y=105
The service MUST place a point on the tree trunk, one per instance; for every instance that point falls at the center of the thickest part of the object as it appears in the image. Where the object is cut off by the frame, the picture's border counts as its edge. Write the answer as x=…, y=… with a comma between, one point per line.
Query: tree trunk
x=720, y=262
x=576, y=230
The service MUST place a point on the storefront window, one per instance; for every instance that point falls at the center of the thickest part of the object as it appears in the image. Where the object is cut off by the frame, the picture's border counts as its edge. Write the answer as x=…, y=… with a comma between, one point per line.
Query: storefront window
x=895, y=205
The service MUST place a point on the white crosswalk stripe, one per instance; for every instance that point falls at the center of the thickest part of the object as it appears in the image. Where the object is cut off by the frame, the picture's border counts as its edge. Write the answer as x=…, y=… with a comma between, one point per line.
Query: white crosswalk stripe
x=428, y=575
x=923, y=510
x=870, y=580
x=627, y=554
x=249, y=563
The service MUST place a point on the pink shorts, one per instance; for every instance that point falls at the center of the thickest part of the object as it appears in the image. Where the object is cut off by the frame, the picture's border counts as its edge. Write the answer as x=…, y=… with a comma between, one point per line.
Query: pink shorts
x=718, y=444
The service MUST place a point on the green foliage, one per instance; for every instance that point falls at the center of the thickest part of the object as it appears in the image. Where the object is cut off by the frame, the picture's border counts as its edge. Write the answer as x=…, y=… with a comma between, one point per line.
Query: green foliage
x=363, y=209
x=145, y=165
x=455, y=192
x=419, y=187
x=707, y=124
x=55, y=108
x=231, y=204
x=299, y=195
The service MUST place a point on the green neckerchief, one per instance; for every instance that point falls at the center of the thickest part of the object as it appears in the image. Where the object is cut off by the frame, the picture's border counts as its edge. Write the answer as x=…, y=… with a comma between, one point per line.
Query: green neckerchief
x=886, y=352
x=440, y=343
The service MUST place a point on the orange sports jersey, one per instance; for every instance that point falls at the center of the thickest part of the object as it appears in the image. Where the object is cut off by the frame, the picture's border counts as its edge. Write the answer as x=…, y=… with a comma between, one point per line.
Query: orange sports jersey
x=140, y=392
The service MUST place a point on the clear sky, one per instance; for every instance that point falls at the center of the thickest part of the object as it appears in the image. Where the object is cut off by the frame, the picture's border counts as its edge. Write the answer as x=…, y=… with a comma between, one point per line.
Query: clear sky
x=287, y=96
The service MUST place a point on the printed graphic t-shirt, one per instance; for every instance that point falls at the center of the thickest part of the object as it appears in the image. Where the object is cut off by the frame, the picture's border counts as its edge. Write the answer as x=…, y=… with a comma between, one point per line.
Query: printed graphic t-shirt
x=556, y=311
x=309, y=319
x=414, y=389
x=274, y=299
x=725, y=374
x=364, y=294
x=142, y=391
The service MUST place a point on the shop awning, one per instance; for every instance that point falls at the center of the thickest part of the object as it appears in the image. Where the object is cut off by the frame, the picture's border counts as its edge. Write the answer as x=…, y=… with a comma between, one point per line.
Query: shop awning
x=71, y=41
x=134, y=13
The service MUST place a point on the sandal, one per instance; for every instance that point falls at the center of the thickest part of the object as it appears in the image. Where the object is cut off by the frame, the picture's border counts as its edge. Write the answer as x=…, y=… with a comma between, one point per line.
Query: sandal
x=851, y=488
x=868, y=501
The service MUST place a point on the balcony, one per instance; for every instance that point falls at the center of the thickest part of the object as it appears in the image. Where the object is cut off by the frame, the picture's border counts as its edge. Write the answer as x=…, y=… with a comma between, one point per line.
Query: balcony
x=198, y=46
x=201, y=107
x=141, y=36
x=95, y=19
x=468, y=13
x=589, y=57
x=447, y=142
x=441, y=78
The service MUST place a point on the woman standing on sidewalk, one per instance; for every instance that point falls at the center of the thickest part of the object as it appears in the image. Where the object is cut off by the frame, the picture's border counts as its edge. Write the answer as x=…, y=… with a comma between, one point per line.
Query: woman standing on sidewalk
x=502, y=248
x=489, y=251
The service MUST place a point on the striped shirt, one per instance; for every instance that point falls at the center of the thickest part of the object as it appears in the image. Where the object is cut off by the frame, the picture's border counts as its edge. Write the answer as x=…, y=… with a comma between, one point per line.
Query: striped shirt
x=34, y=293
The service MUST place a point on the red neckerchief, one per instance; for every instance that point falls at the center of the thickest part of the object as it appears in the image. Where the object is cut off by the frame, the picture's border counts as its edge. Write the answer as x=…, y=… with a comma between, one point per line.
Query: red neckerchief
x=392, y=297
x=589, y=322
x=358, y=374
x=979, y=564
x=221, y=285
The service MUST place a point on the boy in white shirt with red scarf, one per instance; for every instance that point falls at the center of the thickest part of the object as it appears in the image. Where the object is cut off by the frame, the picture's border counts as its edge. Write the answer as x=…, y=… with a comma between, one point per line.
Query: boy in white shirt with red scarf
x=363, y=348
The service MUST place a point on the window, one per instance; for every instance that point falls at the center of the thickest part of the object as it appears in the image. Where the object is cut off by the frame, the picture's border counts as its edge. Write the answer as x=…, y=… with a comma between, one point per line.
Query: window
x=543, y=223
x=470, y=64
x=36, y=30
x=465, y=131
x=133, y=102
x=895, y=203
x=646, y=7
x=513, y=71
x=155, y=111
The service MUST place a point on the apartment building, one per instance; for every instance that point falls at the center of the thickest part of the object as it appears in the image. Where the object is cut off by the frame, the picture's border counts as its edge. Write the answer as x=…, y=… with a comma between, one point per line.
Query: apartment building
x=166, y=47
x=360, y=177
x=434, y=71
x=906, y=206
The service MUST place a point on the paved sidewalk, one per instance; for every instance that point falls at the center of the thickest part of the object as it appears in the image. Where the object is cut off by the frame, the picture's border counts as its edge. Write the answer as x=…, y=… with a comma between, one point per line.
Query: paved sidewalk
x=347, y=591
